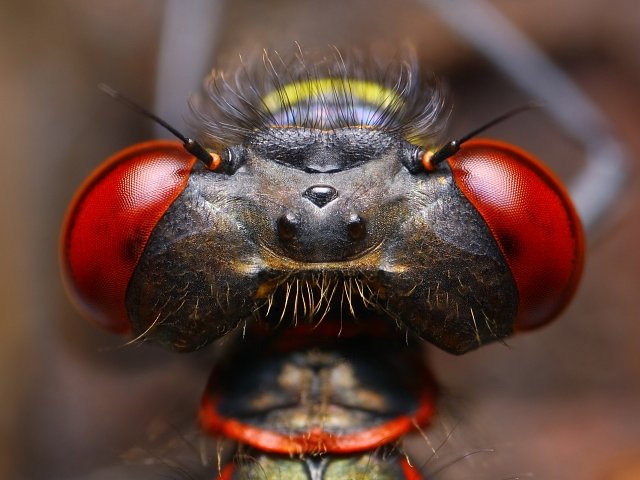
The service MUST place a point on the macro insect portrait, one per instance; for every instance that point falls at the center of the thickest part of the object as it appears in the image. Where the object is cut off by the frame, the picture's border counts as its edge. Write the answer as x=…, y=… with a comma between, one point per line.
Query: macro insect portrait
x=302, y=273
x=321, y=216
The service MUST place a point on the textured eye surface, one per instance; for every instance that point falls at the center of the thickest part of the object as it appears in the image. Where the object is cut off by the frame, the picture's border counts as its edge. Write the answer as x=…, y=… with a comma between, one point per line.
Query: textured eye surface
x=531, y=218
x=111, y=219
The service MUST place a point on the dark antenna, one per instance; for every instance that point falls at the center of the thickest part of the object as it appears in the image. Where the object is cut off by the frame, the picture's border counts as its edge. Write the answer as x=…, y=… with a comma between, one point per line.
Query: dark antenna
x=190, y=145
x=453, y=146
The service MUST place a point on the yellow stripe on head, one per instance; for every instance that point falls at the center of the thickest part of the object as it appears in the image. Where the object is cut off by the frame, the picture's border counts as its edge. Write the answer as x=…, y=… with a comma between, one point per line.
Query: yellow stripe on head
x=368, y=92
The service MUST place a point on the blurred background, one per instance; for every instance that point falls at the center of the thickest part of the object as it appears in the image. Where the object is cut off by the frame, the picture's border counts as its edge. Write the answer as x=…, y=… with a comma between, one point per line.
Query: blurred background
x=556, y=404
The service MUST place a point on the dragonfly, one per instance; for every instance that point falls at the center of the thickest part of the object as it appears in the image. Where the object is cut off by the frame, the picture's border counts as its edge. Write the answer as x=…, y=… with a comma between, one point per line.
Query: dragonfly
x=321, y=226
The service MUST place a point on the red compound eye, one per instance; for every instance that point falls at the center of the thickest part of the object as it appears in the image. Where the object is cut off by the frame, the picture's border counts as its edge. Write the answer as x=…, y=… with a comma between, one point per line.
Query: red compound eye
x=111, y=219
x=532, y=220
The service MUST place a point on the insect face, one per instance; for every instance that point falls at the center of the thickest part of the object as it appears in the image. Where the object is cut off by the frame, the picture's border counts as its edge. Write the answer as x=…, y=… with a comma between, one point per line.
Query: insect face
x=318, y=210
